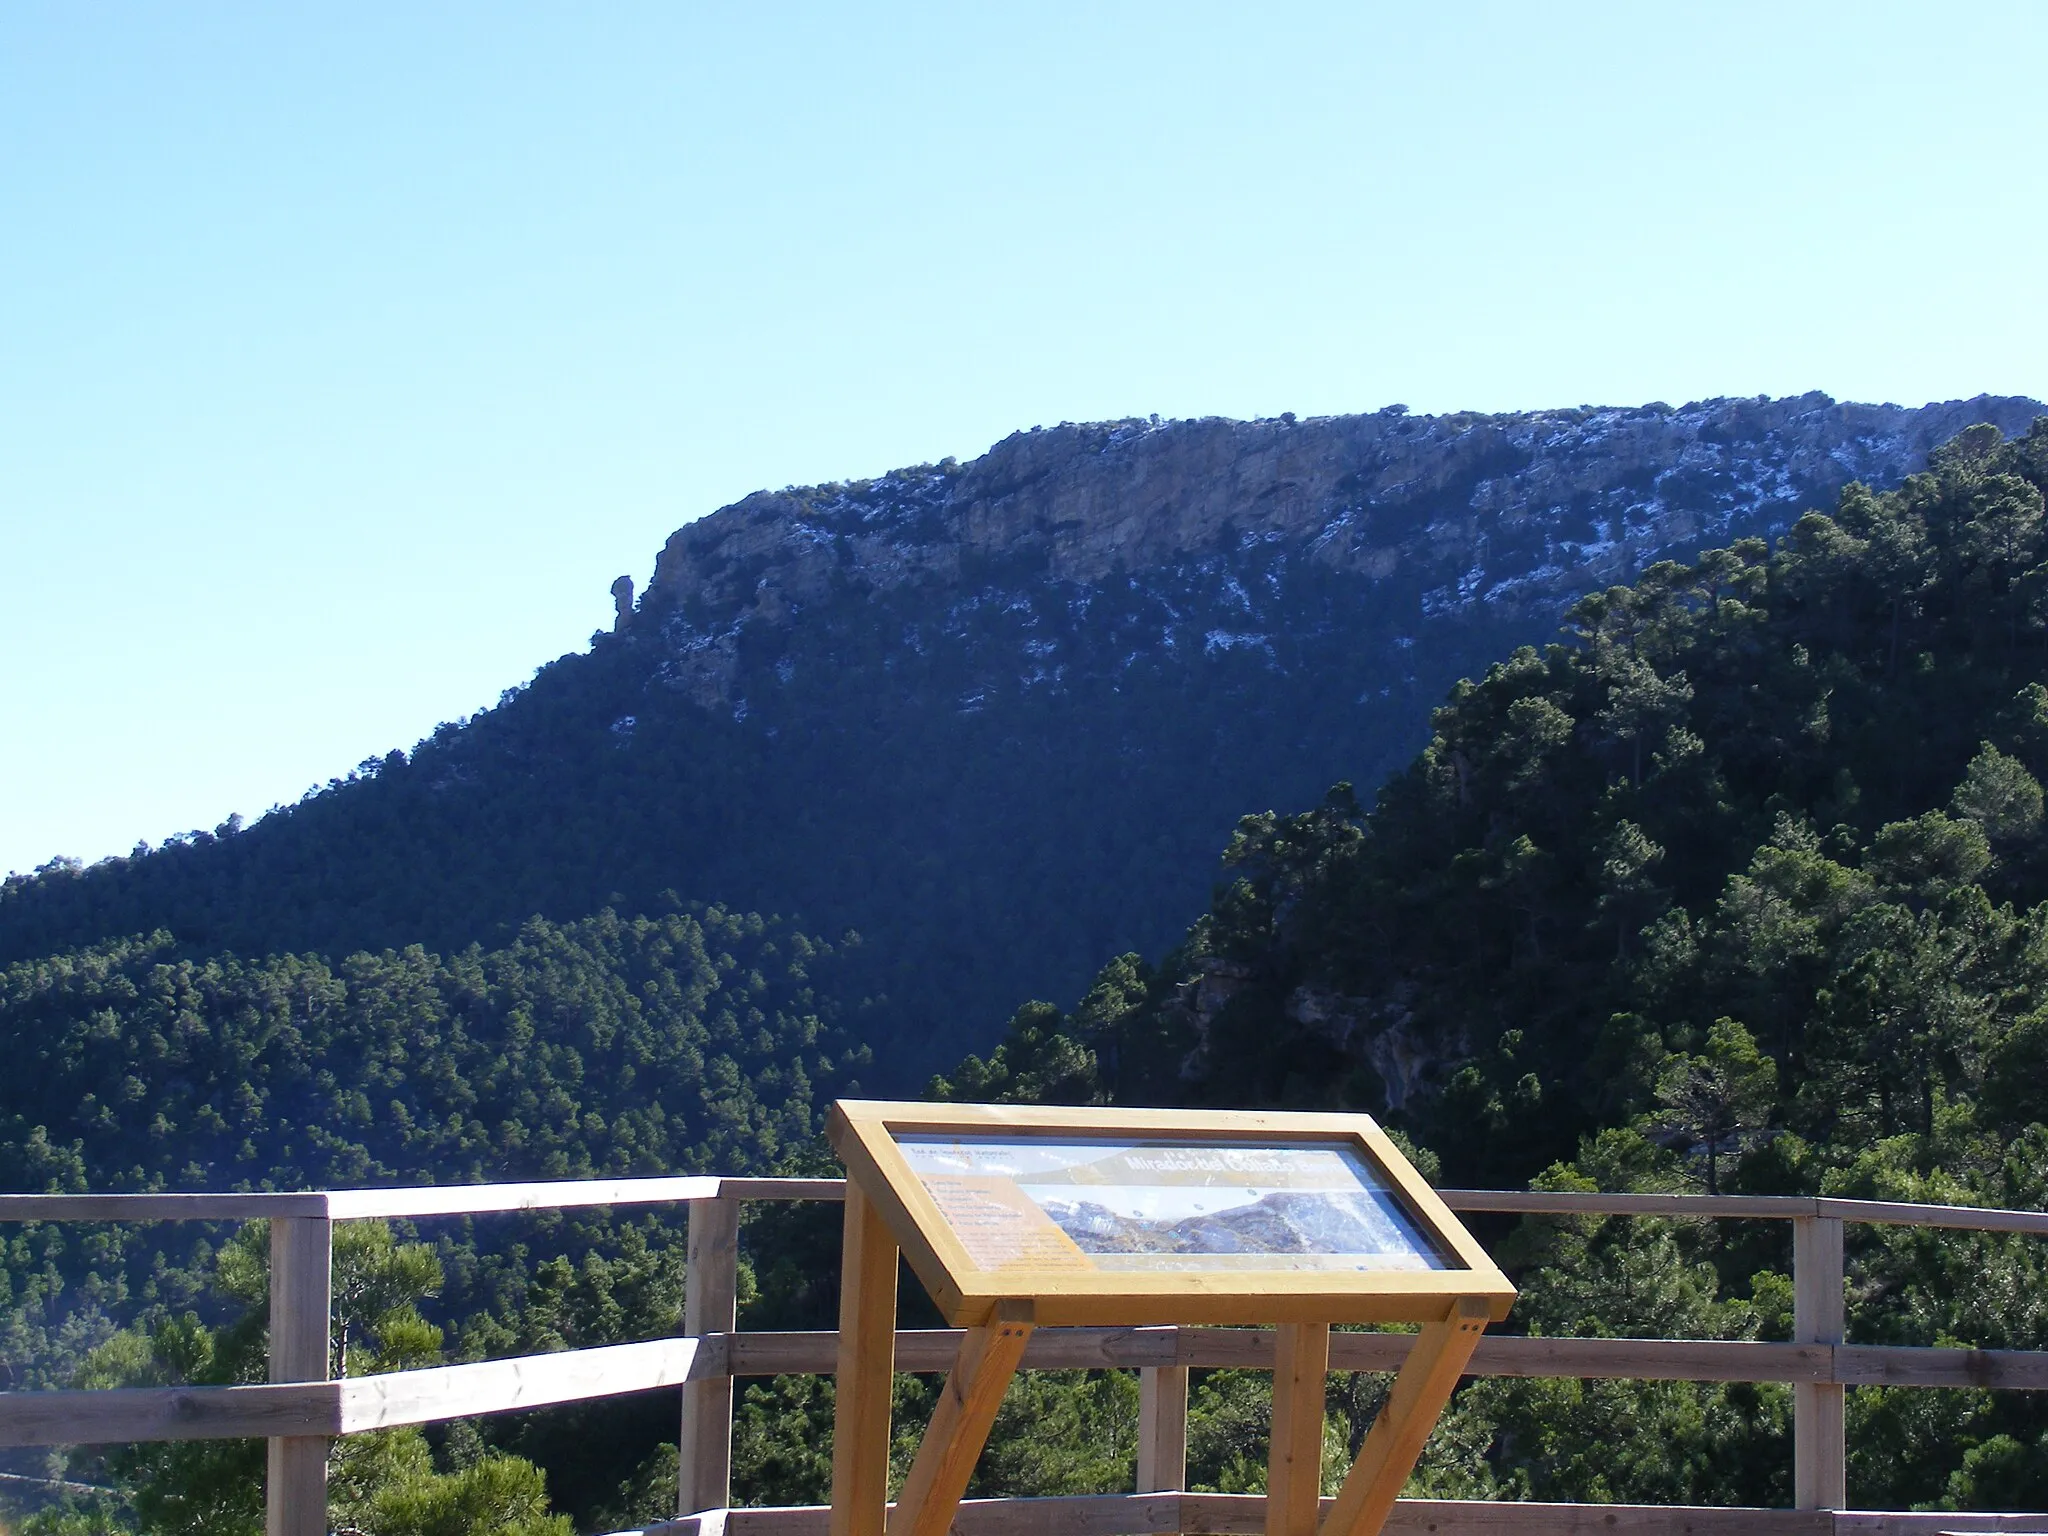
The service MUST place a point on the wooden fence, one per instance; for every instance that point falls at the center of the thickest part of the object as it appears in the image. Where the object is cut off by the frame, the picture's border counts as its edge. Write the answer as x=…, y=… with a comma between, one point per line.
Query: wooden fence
x=300, y=1410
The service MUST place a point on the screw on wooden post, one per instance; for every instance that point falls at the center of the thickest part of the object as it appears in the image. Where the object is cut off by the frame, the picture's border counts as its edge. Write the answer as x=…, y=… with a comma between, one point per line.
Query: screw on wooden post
x=1820, y=1477
x=865, y=1373
x=301, y=1315
x=1162, y=1428
x=710, y=1305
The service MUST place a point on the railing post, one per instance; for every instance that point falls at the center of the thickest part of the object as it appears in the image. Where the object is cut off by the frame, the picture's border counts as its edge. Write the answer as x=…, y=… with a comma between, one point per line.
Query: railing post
x=1162, y=1428
x=301, y=1309
x=710, y=1305
x=1820, y=1478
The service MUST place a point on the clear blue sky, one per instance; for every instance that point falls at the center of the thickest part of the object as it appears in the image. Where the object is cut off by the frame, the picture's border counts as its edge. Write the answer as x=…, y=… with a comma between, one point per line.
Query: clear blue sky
x=348, y=352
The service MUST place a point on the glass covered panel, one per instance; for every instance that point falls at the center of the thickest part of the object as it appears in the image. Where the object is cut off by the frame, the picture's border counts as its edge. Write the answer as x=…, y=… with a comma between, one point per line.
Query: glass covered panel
x=1060, y=1201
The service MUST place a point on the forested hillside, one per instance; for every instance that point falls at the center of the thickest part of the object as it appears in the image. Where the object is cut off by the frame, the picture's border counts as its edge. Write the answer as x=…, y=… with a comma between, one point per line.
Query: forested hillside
x=997, y=717
x=689, y=1042
x=701, y=1041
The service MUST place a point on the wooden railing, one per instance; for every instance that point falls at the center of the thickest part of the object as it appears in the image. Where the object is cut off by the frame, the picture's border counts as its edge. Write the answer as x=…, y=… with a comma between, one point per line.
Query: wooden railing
x=300, y=1410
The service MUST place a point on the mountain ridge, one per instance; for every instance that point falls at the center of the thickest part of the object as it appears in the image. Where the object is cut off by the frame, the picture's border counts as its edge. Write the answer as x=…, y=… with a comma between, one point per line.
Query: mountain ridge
x=1085, y=502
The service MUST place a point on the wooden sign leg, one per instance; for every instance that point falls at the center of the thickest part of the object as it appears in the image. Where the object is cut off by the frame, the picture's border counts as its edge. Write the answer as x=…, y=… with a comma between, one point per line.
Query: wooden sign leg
x=1398, y=1434
x=960, y=1424
x=866, y=1372
x=1294, y=1465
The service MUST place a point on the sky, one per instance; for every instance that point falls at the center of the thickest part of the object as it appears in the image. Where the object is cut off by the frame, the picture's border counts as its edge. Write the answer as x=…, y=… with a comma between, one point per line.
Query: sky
x=349, y=352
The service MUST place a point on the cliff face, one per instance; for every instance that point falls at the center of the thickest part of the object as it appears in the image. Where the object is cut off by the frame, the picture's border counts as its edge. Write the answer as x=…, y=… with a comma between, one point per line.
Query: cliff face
x=1518, y=511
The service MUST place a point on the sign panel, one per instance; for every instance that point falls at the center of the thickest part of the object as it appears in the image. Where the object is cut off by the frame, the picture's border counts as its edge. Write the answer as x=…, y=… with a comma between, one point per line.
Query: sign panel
x=1155, y=1205
x=1116, y=1216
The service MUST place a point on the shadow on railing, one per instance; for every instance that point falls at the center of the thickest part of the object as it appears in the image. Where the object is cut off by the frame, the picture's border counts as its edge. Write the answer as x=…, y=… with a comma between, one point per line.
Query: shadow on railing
x=299, y=1410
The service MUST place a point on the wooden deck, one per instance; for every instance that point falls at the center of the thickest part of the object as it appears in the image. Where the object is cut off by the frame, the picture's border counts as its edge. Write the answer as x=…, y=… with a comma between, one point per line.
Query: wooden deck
x=1244, y=1514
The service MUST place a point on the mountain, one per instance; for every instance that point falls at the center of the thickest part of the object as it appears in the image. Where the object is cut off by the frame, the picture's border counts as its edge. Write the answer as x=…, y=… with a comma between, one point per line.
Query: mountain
x=998, y=717
x=1281, y=1222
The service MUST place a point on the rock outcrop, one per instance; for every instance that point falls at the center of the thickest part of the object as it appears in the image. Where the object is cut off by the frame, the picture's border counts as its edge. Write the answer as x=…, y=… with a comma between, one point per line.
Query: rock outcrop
x=1523, y=509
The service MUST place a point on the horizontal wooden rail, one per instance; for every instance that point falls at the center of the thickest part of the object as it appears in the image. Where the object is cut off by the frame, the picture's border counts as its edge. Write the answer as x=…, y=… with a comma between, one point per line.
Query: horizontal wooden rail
x=126, y=1415
x=246, y=1207
x=360, y=1204
x=429, y=1200
x=1577, y=1203
x=933, y=1349
x=330, y=1408
x=1756, y=1207
x=483, y=1199
x=1244, y=1514
x=415, y=1200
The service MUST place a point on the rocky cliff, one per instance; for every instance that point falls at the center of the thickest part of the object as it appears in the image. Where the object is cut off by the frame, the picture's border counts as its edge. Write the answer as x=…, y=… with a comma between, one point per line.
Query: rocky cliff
x=1518, y=511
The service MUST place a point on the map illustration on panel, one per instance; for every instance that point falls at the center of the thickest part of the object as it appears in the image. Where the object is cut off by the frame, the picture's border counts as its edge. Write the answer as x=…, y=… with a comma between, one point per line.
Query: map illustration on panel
x=1082, y=1203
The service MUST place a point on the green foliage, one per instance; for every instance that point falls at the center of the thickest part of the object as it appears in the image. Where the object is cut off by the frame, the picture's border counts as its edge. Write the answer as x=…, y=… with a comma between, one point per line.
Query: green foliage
x=1720, y=1099
x=782, y=1441
x=73, y=1518
x=1039, y=1062
x=2000, y=796
x=403, y=1495
x=1062, y=1432
x=1230, y=1421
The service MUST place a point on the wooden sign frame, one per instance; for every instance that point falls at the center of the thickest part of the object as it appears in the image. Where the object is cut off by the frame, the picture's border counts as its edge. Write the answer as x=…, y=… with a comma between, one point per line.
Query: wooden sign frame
x=890, y=1210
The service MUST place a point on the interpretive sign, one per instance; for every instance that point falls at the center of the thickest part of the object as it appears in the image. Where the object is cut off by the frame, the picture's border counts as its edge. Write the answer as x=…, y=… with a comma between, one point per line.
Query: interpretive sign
x=1165, y=1204
x=1019, y=1217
